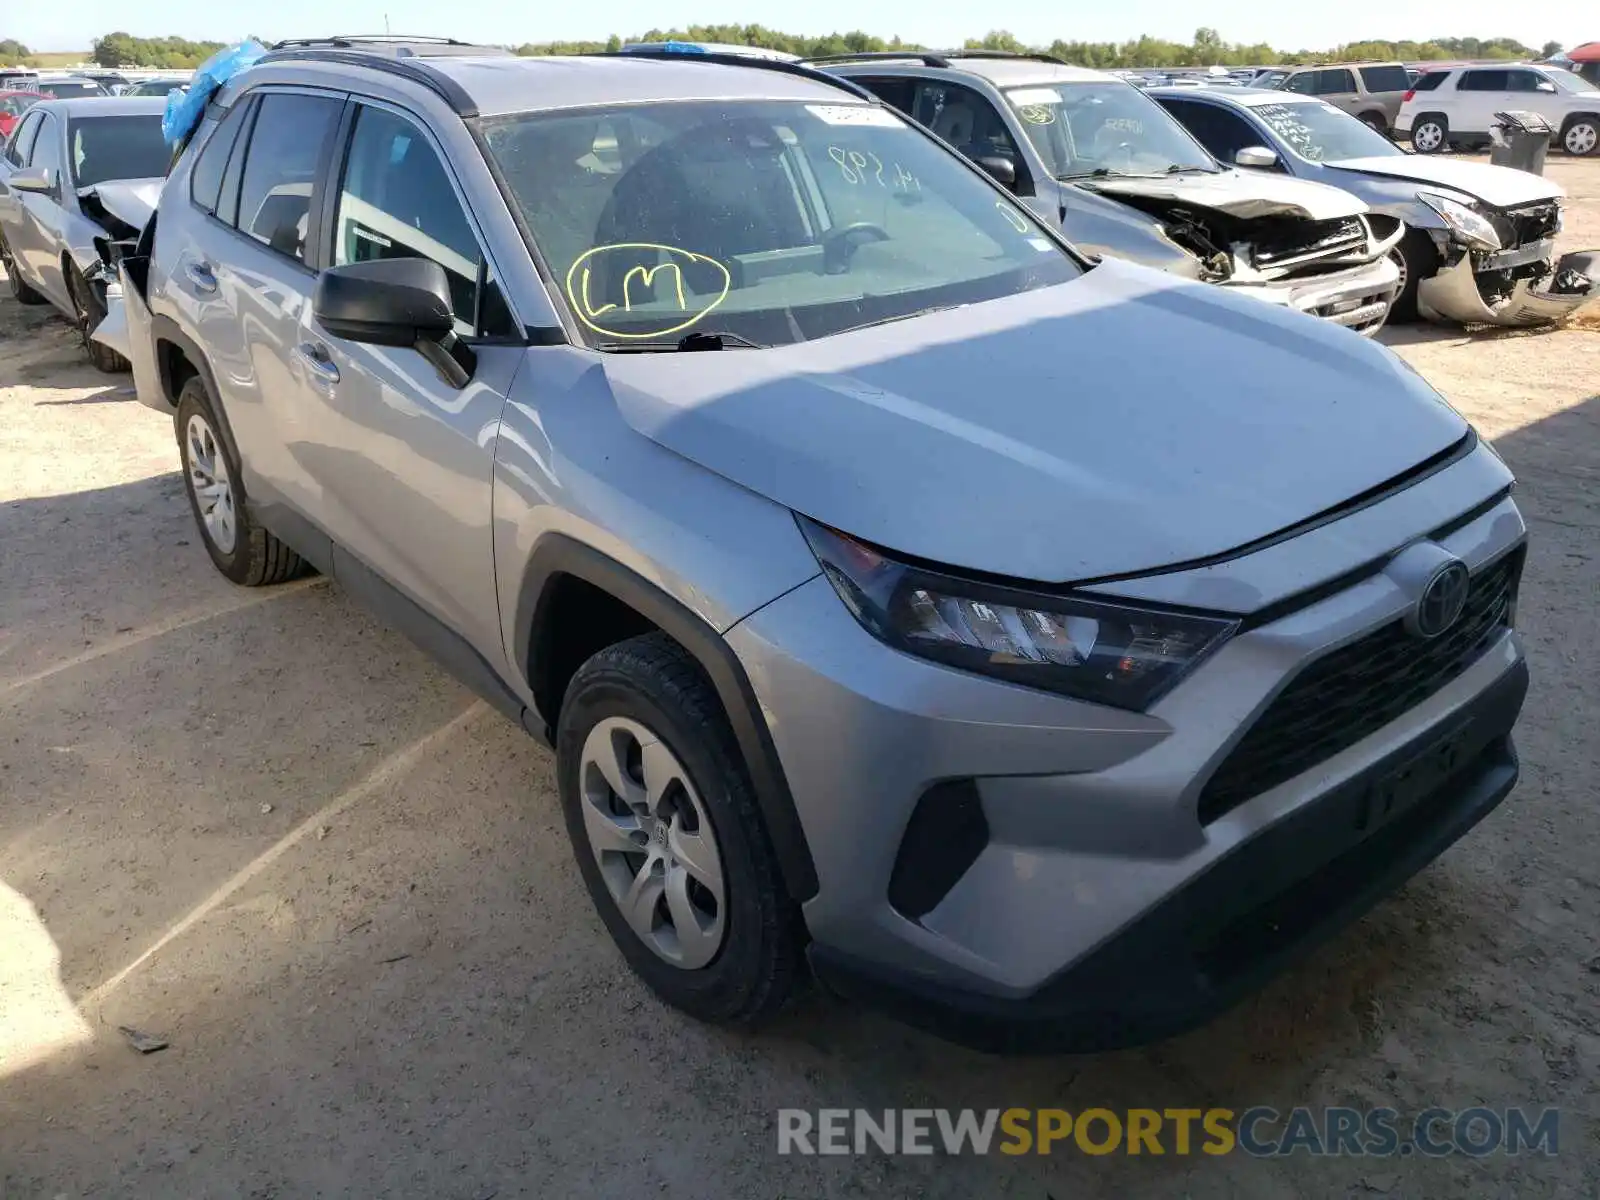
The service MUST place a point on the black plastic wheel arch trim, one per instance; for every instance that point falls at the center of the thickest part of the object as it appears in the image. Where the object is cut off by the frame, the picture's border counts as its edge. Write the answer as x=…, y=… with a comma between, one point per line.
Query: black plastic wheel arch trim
x=556, y=555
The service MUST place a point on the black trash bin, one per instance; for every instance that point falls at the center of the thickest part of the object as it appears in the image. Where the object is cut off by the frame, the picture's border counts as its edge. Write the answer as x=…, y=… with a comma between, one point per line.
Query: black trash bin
x=1520, y=140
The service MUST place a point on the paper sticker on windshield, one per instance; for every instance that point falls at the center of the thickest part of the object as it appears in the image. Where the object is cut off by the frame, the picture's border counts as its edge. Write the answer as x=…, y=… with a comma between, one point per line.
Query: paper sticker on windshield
x=1041, y=245
x=1029, y=96
x=854, y=114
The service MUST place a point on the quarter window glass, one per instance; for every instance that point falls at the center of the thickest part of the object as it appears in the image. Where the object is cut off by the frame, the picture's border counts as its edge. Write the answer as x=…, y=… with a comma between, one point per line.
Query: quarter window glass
x=22, y=140
x=397, y=202
x=280, y=170
x=205, y=184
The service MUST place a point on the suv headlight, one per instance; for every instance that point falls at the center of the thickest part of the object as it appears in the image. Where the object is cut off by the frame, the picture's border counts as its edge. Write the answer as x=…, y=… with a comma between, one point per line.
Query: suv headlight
x=1469, y=226
x=1105, y=653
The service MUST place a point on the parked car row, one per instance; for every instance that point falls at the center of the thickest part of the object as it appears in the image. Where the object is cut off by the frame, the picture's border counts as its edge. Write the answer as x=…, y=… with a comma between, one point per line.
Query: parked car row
x=886, y=570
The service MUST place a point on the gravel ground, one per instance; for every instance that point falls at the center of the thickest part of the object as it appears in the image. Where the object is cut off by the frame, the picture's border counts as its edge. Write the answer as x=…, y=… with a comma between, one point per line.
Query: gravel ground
x=264, y=828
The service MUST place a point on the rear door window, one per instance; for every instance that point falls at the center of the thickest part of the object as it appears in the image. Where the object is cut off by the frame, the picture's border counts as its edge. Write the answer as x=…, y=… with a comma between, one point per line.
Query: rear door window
x=22, y=140
x=278, y=190
x=397, y=201
x=1385, y=79
x=205, y=181
x=1484, y=81
x=1335, y=82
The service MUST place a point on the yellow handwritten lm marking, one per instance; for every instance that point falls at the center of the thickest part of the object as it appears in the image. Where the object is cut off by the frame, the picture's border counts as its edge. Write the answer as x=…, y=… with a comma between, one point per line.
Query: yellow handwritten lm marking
x=578, y=277
x=1015, y=220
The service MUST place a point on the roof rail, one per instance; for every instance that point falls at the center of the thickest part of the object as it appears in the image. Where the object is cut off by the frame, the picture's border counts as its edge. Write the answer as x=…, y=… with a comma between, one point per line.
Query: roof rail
x=802, y=69
x=415, y=69
x=933, y=58
x=344, y=41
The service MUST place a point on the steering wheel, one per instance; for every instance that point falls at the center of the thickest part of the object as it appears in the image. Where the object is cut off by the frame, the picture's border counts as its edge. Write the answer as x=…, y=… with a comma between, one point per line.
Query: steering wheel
x=839, y=245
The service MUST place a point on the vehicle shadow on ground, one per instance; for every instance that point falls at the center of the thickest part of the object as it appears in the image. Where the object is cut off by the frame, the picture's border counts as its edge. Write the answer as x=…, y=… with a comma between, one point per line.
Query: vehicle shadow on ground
x=114, y=394
x=410, y=994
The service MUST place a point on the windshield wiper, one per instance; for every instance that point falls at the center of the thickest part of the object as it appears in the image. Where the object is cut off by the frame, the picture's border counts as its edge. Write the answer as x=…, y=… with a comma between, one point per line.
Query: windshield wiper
x=905, y=316
x=698, y=340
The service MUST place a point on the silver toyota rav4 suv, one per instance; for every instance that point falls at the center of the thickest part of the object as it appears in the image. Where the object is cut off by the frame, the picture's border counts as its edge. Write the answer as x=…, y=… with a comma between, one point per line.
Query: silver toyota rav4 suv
x=1043, y=649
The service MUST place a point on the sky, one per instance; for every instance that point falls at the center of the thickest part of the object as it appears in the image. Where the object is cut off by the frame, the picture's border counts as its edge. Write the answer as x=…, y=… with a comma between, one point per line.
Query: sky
x=43, y=25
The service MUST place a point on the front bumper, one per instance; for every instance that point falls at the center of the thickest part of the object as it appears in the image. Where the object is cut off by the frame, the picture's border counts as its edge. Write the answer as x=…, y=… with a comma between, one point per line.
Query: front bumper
x=1357, y=297
x=1240, y=921
x=1468, y=291
x=1092, y=820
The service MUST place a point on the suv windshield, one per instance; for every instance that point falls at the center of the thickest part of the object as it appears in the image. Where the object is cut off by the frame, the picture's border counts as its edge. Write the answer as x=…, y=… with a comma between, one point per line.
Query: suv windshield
x=105, y=148
x=1321, y=133
x=1105, y=128
x=768, y=222
x=1567, y=81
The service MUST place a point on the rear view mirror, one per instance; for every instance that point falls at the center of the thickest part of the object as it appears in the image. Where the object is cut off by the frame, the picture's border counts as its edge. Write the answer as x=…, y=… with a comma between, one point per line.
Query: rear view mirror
x=1002, y=169
x=37, y=180
x=1256, y=156
x=385, y=302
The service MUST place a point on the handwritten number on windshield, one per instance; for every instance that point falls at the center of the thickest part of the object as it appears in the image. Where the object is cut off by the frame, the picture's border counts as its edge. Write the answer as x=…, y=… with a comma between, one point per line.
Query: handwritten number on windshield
x=856, y=168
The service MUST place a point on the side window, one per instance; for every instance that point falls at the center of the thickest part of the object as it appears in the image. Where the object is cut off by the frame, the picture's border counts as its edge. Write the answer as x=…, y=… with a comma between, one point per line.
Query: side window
x=1218, y=130
x=966, y=120
x=1521, y=81
x=1305, y=83
x=891, y=89
x=278, y=189
x=205, y=181
x=46, y=148
x=396, y=201
x=22, y=140
x=1483, y=81
x=1430, y=80
x=228, y=201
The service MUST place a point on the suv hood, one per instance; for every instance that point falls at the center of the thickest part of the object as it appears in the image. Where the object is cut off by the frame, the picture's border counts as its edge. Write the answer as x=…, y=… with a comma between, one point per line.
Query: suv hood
x=1242, y=194
x=1123, y=422
x=1499, y=187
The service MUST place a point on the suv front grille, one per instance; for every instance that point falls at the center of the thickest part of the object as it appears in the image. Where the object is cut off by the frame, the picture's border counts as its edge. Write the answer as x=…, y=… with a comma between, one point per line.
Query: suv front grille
x=1357, y=690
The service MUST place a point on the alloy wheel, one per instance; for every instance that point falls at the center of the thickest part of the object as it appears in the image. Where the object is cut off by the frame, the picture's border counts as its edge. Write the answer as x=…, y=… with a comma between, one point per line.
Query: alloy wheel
x=211, y=484
x=648, y=830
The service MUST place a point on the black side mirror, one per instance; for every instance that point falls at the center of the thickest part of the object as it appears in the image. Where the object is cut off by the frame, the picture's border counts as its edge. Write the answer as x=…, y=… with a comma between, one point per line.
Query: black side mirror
x=385, y=302
x=1002, y=169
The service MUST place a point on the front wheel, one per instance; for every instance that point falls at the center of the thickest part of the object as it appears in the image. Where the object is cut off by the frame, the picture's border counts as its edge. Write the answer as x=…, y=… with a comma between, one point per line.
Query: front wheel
x=1418, y=259
x=1428, y=135
x=669, y=838
x=241, y=549
x=90, y=311
x=1581, y=136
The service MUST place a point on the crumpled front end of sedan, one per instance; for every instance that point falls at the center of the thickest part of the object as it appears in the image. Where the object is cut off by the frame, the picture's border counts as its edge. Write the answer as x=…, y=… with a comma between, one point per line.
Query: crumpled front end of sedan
x=1501, y=268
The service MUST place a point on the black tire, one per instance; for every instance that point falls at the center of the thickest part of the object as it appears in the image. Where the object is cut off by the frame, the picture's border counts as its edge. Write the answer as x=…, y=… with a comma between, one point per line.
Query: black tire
x=256, y=558
x=90, y=311
x=1418, y=259
x=1580, y=122
x=1376, y=121
x=1429, y=144
x=653, y=681
x=20, y=292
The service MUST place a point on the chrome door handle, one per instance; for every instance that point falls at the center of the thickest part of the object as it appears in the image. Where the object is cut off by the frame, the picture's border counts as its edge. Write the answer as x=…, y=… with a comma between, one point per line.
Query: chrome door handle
x=201, y=276
x=316, y=361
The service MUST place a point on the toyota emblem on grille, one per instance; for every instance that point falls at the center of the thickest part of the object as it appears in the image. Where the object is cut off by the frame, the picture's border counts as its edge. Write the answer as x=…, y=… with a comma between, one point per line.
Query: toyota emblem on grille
x=1441, y=601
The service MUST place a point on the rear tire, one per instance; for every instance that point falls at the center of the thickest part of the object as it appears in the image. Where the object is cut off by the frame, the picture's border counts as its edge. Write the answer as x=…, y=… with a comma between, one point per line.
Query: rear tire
x=635, y=714
x=1430, y=134
x=242, y=550
x=89, y=313
x=1418, y=259
x=1376, y=121
x=1581, y=135
x=20, y=292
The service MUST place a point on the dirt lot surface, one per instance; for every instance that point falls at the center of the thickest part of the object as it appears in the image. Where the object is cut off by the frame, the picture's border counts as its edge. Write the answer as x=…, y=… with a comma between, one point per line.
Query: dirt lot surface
x=264, y=828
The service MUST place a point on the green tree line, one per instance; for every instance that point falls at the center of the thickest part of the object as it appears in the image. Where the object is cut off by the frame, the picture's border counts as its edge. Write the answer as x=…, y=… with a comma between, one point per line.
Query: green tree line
x=1207, y=49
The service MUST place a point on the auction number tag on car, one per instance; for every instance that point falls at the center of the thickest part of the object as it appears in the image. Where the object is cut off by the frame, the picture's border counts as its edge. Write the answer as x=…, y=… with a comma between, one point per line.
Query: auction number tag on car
x=1026, y=97
x=854, y=114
